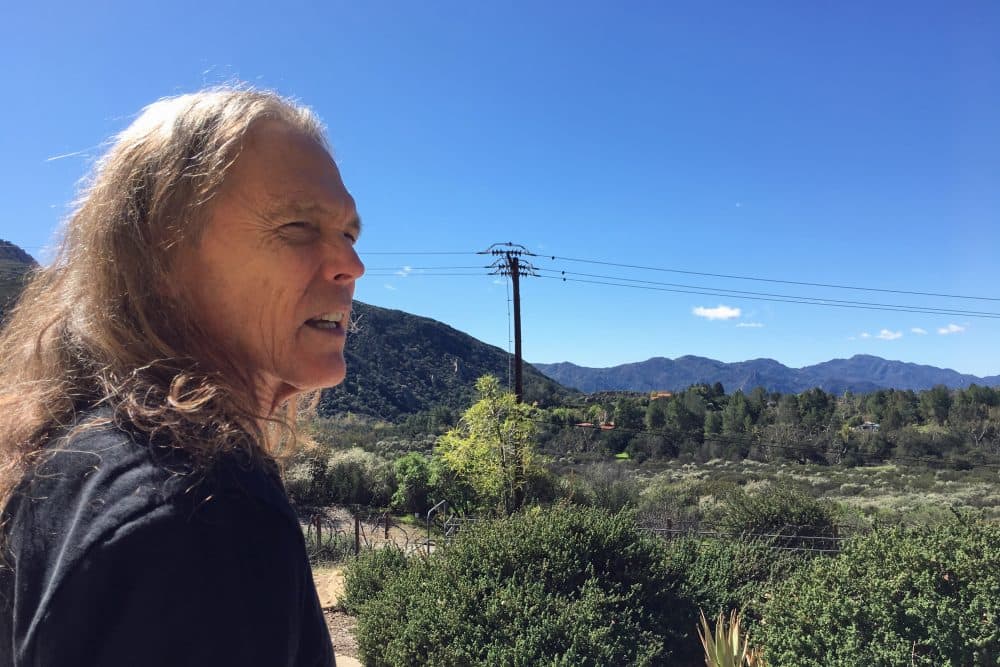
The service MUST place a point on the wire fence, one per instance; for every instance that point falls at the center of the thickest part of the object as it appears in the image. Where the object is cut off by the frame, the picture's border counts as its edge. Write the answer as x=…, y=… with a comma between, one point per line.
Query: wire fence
x=337, y=533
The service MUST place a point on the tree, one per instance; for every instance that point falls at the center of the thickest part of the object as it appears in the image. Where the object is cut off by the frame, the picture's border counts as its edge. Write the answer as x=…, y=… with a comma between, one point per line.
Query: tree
x=413, y=477
x=628, y=414
x=492, y=447
x=935, y=404
x=656, y=414
x=788, y=410
x=736, y=415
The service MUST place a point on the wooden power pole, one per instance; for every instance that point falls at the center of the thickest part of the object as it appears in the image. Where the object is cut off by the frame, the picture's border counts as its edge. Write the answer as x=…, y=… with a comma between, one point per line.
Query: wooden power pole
x=509, y=263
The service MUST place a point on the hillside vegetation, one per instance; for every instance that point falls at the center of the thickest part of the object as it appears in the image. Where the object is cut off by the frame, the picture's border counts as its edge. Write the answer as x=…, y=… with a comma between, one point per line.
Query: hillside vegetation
x=14, y=265
x=400, y=364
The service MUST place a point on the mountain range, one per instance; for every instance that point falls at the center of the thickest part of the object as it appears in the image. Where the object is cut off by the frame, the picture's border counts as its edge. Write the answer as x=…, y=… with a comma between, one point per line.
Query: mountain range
x=861, y=373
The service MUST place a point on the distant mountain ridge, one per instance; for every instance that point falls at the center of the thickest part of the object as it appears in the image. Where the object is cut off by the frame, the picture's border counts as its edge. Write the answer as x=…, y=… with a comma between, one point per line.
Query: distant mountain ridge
x=861, y=373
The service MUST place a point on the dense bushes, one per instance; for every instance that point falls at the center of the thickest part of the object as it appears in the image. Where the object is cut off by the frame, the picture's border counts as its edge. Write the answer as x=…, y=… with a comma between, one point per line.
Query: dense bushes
x=567, y=586
x=777, y=511
x=369, y=574
x=721, y=575
x=351, y=476
x=893, y=597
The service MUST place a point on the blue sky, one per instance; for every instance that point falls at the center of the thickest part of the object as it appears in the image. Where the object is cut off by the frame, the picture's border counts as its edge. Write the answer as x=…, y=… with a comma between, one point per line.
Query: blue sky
x=852, y=143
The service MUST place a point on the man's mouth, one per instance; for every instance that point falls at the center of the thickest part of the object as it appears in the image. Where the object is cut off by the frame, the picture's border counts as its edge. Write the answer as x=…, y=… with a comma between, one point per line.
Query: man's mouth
x=328, y=321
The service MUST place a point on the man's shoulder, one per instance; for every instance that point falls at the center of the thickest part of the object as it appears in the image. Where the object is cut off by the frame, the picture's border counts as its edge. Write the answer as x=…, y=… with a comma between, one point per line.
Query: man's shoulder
x=101, y=464
x=99, y=477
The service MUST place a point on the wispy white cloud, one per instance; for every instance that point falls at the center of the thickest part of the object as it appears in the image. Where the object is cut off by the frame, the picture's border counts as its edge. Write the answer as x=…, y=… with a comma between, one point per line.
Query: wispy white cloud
x=865, y=334
x=390, y=287
x=951, y=329
x=885, y=334
x=720, y=312
x=919, y=331
x=83, y=153
x=405, y=271
x=749, y=325
x=497, y=281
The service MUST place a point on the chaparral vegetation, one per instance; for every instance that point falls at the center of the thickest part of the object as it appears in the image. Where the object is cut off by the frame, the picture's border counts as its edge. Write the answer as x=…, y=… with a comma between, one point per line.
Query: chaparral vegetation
x=853, y=529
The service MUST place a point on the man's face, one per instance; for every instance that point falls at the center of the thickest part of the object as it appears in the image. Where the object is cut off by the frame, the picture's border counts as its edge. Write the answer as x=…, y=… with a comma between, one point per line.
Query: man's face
x=272, y=276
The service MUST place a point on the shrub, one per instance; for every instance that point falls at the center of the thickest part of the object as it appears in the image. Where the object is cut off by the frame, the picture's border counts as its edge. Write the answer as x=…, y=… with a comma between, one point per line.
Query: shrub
x=567, y=586
x=897, y=596
x=305, y=482
x=777, y=510
x=358, y=477
x=720, y=575
x=368, y=574
x=352, y=476
x=413, y=479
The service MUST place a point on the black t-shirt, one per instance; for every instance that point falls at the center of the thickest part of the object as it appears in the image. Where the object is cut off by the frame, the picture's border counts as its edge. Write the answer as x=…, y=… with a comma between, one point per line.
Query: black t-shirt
x=120, y=553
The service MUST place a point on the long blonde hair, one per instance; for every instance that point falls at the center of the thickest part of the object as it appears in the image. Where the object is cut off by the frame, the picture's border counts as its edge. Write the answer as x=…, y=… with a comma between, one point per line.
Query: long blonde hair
x=98, y=327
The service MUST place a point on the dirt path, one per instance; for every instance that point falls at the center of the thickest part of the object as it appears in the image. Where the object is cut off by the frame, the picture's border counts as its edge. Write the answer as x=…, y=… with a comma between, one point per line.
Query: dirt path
x=330, y=586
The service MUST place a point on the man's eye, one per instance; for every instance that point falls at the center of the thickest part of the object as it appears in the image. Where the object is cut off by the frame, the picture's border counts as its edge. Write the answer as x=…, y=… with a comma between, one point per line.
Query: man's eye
x=298, y=229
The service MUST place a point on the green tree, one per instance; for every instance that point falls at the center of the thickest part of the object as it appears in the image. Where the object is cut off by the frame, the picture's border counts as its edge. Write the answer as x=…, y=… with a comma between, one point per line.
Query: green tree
x=413, y=477
x=788, y=410
x=492, y=447
x=656, y=414
x=935, y=404
x=736, y=415
x=628, y=414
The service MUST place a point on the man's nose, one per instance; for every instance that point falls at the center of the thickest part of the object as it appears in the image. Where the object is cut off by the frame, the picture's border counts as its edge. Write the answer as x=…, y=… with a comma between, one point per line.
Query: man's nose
x=343, y=265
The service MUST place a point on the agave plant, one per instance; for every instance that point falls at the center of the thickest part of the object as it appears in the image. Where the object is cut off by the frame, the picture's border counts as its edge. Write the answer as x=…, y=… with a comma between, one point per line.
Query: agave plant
x=728, y=646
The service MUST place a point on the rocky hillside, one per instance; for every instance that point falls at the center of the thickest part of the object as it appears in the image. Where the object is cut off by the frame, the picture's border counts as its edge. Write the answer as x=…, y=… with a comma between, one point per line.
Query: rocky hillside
x=14, y=264
x=399, y=364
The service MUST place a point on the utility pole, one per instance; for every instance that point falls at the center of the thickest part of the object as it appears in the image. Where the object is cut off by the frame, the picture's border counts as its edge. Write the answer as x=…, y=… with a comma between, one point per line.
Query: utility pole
x=509, y=263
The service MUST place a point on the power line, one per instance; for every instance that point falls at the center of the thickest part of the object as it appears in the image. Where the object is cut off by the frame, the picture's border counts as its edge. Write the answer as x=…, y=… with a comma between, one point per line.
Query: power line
x=774, y=280
x=799, y=300
x=425, y=268
x=748, y=294
x=419, y=252
x=397, y=274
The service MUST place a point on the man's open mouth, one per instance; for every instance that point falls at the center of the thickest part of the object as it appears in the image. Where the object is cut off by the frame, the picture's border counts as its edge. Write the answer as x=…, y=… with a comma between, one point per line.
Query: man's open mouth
x=327, y=321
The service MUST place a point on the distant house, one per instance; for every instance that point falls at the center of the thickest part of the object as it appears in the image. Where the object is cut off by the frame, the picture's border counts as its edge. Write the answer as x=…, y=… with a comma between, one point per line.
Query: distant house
x=606, y=426
x=870, y=427
x=657, y=395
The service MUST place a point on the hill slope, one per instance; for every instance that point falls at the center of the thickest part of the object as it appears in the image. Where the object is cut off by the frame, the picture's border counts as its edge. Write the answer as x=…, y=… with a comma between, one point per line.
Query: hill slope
x=860, y=373
x=398, y=364
x=14, y=264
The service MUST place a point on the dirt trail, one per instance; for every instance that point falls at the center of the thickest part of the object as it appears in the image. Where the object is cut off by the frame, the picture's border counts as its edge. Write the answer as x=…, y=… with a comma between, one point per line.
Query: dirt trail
x=330, y=586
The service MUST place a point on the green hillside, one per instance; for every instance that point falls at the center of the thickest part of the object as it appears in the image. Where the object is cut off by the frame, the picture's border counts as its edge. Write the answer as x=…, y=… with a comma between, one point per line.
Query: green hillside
x=14, y=264
x=399, y=364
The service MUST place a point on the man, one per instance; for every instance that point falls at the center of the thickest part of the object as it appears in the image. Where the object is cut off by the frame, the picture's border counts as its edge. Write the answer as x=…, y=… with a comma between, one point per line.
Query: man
x=204, y=282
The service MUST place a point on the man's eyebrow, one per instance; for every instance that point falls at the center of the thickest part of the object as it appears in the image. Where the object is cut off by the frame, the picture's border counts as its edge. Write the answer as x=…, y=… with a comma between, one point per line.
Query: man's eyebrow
x=290, y=207
x=293, y=208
